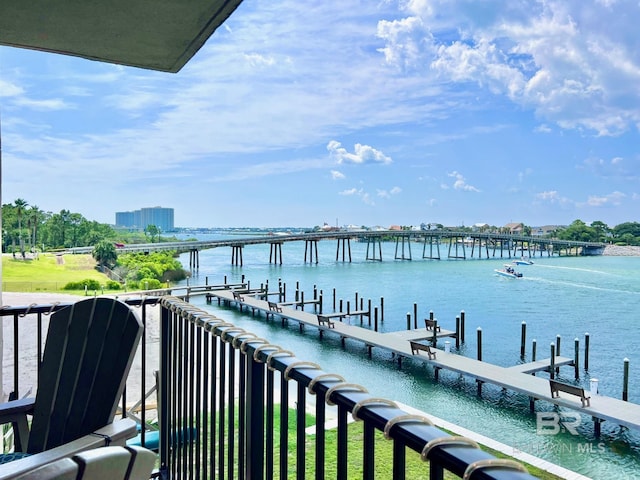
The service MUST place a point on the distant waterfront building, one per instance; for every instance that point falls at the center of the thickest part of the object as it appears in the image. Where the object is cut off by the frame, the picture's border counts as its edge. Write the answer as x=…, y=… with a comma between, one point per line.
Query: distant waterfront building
x=140, y=219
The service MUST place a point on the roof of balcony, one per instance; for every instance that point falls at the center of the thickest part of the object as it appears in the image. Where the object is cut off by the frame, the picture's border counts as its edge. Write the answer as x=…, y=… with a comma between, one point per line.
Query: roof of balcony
x=152, y=34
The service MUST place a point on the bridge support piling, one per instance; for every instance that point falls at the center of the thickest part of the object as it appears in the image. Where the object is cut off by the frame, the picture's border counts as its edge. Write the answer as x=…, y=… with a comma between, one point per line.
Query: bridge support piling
x=402, y=239
x=275, y=253
x=236, y=255
x=311, y=246
x=194, y=259
x=346, y=248
x=371, y=242
x=431, y=244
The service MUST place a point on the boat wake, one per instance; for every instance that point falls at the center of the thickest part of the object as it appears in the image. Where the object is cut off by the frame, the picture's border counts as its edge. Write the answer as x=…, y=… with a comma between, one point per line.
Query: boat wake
x=589, y=270
x=581, y=285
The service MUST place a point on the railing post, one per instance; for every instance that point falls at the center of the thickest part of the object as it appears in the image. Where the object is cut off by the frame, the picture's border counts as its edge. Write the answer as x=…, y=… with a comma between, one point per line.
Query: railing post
x=163, y=387
x=255, y=420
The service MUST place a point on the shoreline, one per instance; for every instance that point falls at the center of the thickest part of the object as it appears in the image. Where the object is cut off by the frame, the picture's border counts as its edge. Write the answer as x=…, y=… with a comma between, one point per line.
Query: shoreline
x=621, y=251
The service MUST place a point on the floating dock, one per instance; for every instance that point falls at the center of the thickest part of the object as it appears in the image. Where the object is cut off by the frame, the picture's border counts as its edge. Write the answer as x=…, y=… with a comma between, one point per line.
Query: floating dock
x=519, y=378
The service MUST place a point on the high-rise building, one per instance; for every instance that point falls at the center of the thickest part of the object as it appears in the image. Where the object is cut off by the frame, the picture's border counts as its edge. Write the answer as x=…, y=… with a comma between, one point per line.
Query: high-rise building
x=141, y=219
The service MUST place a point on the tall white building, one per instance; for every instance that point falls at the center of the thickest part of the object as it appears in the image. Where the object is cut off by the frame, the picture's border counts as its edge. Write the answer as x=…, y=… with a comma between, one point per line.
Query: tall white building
x=140, y=219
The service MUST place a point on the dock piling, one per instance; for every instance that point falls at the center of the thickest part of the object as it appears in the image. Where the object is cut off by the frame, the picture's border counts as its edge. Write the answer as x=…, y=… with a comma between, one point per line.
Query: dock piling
x=558, y=338
x=375, y=319
x=457, y=332
x=462, y=326
x=415, y=315
x=533, y=350
x=381, y=309
x=479, y=344
x=552, y=368
x=586, y=351
x=435, y=331
x=408, y=320
x=625, y=381
x=523, y=339
x=576, y=360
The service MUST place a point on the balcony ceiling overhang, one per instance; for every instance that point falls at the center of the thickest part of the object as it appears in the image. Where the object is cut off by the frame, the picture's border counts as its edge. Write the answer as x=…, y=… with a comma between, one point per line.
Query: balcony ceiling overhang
x=153, y=34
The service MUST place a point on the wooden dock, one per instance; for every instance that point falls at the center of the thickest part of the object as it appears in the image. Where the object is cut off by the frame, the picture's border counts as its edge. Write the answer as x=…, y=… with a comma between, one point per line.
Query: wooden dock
x=519, y=378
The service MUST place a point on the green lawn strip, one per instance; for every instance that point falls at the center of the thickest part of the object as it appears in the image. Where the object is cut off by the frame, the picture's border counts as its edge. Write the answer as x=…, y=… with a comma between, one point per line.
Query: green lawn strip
x=48, y=273
x=415, y=467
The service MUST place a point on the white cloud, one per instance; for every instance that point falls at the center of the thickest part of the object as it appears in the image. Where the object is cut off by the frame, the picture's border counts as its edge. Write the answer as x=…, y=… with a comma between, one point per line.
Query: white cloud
x=554, y=198
x=388, y=193
x=612, y=199
x=43, y=105
x=336, y=175
x=364, y=196
x=256, y=59
x=616, y=167
x=362, y=154
x=402, y=41
x=576, y=64
x=8, y=89
x=548, y=196
x=461, y=184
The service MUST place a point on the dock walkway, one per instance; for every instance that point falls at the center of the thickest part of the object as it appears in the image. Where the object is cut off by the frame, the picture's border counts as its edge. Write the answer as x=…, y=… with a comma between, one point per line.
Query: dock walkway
x=518, y=378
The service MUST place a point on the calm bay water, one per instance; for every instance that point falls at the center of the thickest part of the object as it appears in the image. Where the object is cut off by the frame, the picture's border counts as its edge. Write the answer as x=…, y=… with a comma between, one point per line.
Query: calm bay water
x=565, y=296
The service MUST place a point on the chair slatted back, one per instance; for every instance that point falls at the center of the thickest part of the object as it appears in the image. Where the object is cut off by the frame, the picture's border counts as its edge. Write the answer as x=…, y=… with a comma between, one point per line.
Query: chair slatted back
x=88, y=353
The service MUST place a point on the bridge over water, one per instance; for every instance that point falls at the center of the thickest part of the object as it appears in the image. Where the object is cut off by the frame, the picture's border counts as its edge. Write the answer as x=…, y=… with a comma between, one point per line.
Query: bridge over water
x=435, y=245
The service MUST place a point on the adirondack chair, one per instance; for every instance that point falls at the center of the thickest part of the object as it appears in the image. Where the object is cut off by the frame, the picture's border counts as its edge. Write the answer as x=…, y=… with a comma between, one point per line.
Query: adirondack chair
x=108, y=463
x=89, y=349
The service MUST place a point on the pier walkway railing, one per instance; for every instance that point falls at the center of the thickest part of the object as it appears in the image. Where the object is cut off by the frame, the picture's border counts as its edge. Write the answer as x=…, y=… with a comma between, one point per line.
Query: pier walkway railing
x=232, y=405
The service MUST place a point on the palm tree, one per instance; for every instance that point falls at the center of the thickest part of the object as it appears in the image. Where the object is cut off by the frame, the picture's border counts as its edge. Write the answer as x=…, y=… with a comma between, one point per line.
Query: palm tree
x=20, y=205
x=35, y=216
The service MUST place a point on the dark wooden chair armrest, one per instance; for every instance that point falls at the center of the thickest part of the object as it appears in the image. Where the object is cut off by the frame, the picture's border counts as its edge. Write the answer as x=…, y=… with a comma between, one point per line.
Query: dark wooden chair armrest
x=115, y=434
x=13, y=407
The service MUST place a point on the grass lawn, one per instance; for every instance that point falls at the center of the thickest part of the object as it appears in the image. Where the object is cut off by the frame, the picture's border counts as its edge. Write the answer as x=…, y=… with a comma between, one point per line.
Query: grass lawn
x=415, y=468
x=47, y=273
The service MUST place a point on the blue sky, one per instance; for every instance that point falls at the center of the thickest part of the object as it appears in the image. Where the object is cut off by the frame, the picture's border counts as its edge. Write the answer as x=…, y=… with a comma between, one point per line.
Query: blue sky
x=352, y=112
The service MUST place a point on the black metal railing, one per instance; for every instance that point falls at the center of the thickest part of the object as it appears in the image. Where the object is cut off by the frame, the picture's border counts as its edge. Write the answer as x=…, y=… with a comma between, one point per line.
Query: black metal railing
x=232, y=405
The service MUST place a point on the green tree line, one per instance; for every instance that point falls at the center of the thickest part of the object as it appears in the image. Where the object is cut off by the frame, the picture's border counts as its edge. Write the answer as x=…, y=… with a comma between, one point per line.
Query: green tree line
x=627, y=233
x=28, y=228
